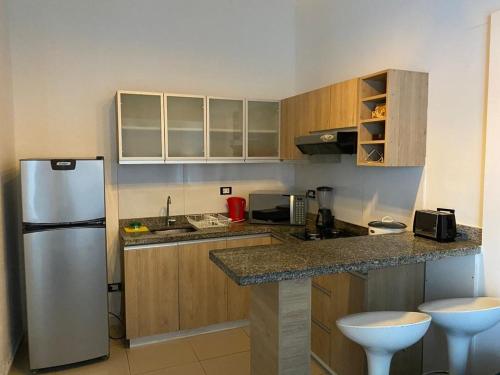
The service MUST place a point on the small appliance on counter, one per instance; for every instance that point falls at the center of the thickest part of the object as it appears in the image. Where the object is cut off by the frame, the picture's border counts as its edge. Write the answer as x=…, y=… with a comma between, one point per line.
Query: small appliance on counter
x=236, y=207
x=324, y=219
x=277, y=207
x=386, y=226
x=439, y=225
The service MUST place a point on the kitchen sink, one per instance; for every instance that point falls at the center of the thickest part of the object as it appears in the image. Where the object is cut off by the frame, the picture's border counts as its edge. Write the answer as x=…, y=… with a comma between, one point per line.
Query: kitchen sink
x=167, y=231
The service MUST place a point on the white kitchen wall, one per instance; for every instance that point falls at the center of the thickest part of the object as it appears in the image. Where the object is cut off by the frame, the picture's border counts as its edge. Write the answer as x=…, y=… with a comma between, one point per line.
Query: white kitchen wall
x=70, y=56
x=487, y=353
x=10, y=286
x=194, y=188
x=337, y=40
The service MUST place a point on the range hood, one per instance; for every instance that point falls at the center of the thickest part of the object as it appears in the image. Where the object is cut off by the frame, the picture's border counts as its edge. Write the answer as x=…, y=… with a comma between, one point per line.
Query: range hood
x=327, y=143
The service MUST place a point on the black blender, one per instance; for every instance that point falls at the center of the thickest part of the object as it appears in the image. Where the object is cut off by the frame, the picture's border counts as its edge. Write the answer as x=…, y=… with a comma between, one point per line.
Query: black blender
x=324, y=219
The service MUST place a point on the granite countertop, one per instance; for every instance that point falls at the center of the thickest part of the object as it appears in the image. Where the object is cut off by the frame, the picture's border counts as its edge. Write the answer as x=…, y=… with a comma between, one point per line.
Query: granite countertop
x=264, y=264
x=233, y=230
x=299, y=259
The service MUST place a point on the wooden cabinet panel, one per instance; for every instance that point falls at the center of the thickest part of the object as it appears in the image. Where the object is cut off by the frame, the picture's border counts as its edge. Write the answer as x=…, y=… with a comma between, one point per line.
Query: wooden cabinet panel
x=316, y=111
x=321, y=308
x=238, y=304
x=407, y=296
x=398, y=138
x=324, y=282
x=202, y=286
x=344, y=104
x=151, y=291
x=347, y=357
x=320, y=343
x=289, y=129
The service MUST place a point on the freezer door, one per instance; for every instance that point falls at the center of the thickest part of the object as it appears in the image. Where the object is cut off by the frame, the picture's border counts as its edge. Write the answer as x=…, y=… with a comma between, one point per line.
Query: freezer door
x=66, y=295
x=62, y=191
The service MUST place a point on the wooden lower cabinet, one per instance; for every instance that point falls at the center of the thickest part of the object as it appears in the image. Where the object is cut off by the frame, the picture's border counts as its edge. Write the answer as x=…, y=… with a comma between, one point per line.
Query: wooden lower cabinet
x=238, y=307
x=320, y=342
x=202, y=286
x=348, y=296
x=171, y=287
x=334, y=296
x=151, y=292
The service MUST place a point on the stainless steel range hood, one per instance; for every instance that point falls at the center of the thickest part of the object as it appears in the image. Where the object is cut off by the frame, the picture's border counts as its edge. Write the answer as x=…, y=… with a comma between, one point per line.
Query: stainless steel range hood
x=328, y=143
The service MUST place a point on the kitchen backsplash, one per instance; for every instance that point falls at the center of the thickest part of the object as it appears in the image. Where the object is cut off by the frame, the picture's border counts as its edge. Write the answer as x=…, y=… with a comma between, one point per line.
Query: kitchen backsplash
x=364, y=194
x=194, y=188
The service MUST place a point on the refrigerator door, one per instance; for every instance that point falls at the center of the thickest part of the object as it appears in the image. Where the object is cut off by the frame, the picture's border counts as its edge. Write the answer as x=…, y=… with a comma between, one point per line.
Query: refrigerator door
x=66, y=294
x=62, y=191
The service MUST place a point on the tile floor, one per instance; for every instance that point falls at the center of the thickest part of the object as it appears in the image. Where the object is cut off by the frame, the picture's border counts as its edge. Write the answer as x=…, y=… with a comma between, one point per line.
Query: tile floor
x=220, y=353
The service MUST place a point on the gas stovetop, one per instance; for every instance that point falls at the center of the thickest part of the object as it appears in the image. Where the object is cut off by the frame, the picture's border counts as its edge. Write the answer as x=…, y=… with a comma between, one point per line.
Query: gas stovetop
x=308, y=235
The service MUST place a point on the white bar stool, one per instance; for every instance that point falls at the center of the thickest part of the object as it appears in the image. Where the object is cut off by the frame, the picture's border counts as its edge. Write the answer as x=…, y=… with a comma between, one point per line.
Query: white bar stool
x=462, y=319
x=383, y=333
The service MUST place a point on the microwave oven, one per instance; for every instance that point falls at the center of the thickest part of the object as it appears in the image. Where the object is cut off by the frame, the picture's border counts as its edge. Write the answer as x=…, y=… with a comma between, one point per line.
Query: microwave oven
x=274, y=207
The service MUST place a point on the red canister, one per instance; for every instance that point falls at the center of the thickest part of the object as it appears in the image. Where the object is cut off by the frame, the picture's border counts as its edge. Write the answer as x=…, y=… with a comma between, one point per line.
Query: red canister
x=236, y=206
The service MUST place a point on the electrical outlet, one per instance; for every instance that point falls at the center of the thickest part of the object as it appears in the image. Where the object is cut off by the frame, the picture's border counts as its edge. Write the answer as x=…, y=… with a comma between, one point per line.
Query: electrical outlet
x=114, y=287
x=226, y=190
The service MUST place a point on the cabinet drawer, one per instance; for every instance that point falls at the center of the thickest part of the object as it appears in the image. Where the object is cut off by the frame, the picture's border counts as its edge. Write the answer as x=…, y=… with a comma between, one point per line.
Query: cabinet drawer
x=320, y=343
x=321, y=310
x=324, y=282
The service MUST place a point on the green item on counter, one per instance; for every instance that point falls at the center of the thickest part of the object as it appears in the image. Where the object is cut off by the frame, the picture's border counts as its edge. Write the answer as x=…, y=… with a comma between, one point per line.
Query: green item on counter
x=135, y=224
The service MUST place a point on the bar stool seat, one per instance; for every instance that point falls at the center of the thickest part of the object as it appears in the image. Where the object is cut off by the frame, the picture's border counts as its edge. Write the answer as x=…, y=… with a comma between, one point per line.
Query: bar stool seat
x=383, y=333
x=462, y=319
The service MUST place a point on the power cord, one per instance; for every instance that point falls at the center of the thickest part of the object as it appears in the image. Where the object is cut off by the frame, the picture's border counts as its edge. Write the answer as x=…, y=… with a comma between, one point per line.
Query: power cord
x=121, y=324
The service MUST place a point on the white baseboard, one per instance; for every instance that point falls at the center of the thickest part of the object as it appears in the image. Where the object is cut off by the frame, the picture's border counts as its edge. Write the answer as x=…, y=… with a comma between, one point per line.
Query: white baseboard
x=186, y=333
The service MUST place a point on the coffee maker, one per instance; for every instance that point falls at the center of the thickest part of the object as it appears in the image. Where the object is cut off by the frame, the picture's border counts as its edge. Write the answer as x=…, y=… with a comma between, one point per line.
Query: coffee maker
x=324, y=219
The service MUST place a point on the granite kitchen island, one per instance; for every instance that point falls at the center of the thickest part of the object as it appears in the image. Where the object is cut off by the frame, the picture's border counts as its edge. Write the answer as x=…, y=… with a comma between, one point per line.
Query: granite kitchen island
x=280, y=280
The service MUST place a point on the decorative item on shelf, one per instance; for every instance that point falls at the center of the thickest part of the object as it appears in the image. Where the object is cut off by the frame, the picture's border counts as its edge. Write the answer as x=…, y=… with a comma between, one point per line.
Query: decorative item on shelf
x=375, y=156
x=378, y=136
x=379, y=111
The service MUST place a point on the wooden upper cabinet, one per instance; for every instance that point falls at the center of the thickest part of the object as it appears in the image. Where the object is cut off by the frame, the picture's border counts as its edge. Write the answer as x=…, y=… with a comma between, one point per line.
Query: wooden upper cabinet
x=344, y=104
x=202, y=286
x=289, y=129
x=316, y=110
x=398, y=138
x=151, y=291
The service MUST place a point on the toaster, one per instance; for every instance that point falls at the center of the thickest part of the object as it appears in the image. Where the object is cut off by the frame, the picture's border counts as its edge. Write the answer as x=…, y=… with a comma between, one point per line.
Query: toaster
x=439, y=225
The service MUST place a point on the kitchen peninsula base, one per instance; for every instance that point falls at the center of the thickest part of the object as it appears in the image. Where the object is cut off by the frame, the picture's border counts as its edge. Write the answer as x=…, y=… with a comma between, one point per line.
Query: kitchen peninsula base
x=280, y=322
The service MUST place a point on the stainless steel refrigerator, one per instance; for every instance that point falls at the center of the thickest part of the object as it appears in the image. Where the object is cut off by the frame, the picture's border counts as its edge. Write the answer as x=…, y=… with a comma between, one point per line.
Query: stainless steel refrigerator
x=64, y=233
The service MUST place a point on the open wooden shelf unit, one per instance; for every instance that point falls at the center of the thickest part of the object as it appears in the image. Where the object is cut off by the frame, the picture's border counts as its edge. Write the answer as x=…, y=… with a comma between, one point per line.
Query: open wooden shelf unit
x=398, y=138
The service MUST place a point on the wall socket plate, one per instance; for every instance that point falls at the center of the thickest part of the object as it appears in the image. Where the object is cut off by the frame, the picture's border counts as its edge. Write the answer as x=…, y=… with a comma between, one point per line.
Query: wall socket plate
x=114, y=287
x=226, y=190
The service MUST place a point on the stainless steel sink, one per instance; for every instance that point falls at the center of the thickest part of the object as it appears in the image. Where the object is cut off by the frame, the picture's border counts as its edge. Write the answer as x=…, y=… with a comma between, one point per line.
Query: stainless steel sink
x=168, y=231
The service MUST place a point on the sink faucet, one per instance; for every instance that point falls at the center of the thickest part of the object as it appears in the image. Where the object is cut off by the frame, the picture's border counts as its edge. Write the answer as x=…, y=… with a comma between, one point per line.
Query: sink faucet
x=169, y=201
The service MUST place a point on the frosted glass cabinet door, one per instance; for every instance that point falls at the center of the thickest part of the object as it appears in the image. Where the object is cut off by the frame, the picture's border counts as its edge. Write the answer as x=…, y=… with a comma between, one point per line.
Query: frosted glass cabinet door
x=263, y=124
x=140, y=123
x=226, y=128
x=185, y=126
